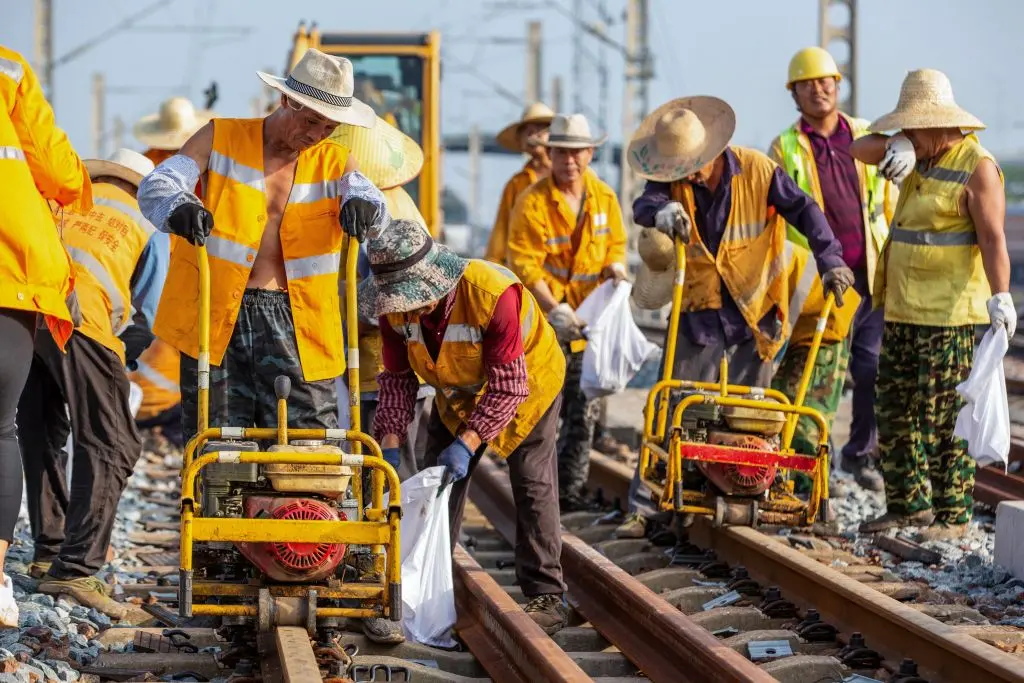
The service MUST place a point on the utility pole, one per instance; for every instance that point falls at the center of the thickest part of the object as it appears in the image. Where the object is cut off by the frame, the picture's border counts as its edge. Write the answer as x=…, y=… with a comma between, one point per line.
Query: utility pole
x=602, y=96
x=556, y=94
x=534, y=68
x=474, y=175
x=577, y=56
x=634, y=97
x=829, y=33
x=117, y=132
x=44, y=46
x=98, y=116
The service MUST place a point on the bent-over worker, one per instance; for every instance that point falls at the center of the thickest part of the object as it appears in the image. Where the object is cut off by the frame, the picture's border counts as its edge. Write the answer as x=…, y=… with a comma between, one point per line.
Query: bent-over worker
x=470, y=329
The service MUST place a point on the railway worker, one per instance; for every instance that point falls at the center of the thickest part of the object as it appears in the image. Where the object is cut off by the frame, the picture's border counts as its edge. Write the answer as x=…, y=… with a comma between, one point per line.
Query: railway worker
x=565, y=237
x=527, y=136
x=470, y=329
x=277, y=199
x=944, y=270
x=121, y=262
x=858, y=203
x=730, y=205
x=37, y=164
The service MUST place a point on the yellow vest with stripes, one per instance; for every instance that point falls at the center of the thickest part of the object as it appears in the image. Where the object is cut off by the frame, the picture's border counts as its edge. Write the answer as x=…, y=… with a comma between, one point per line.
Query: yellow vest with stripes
x=105, y=245
x=933, y=272
x=459, y=373
x=158, y=376
x=311, y=241
x=751, y=259
x=808, y=297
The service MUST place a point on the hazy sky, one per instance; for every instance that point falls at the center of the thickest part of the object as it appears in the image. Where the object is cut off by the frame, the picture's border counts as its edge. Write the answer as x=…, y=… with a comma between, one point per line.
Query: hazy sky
x=734, y=49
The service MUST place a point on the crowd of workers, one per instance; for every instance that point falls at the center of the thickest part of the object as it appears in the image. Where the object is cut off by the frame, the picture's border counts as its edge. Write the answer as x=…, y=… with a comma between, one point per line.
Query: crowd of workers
x=98, y=280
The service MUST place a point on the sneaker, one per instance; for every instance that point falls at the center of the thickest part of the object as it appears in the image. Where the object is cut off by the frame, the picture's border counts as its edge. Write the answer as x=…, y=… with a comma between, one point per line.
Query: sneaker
x=38, y=570
x=548, y=612
x=635, y=526
x=91, y=592
x=942, y=531
x=892, y=520
x=864, y=473
x=8, y=607
x=383, y=631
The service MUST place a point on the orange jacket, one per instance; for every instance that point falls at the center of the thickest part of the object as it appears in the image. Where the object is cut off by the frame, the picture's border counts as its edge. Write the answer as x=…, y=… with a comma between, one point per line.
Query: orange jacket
x=37, y=163
x=497, y=246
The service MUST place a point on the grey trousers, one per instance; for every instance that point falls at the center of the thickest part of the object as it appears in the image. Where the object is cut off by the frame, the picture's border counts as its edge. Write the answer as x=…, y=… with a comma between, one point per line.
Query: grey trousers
x=415, y=445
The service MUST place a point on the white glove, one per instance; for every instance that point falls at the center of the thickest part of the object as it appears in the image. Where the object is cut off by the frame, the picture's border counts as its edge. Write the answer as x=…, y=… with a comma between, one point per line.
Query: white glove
x=1001, y=311
x=899, y=159
x=568, y=326
x=672, y=220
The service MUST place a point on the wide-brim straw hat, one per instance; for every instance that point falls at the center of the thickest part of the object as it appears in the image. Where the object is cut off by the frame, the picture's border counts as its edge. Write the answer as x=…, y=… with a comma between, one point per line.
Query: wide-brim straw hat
x=926, y=101
x=325, y=84
x=656, y=275
x=408, y=270
x=172, y=126
x=571, y=131
x=124, y=164
x=386, y=155
x=538, y=112
x=680, y=137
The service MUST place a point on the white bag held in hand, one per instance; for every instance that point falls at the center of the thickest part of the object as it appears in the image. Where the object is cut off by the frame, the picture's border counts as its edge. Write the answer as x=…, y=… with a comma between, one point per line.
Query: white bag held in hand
x=428, y=590
x=985, y=420
x=616, y=348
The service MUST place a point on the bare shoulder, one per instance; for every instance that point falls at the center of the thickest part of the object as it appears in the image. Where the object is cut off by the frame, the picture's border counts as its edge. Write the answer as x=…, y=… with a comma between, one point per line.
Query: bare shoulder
x=986, y=176
x=199, y=146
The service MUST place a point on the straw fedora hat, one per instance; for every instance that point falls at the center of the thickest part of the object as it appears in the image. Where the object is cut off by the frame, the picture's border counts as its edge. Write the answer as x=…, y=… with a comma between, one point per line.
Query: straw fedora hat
x=173, y=125
x=386, y=155
x=124, y=164
x=572, y=131
x=657, y=272
x=538, y=112
x=926, y=101
x=680, y=137
x=325, y=84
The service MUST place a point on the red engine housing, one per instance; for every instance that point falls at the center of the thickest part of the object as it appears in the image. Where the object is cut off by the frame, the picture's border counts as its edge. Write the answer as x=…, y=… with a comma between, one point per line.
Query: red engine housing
x=292, y=562
x=734, y=479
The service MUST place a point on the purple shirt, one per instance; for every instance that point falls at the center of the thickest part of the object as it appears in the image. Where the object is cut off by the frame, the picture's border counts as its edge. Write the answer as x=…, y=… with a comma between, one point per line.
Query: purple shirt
x=840, y=189
x=711, y=212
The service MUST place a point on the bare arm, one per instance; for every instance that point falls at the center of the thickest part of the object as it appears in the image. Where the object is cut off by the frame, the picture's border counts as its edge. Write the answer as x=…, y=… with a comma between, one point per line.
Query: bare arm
x=542, y=293
x=986, y=204
x=869, y=149
x=351, y=164
x=199, y=146
x=172, y=183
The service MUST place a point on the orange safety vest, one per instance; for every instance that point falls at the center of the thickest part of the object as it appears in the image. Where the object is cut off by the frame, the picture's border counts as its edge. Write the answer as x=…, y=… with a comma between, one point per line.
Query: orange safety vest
x=311, y=241
x=459, y=373
x=36, y=163
x=158, y=376
x=751, y=258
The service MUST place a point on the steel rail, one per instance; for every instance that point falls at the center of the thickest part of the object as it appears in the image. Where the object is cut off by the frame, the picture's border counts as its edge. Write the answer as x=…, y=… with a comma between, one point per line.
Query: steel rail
x=659, y=639
x=992, y=486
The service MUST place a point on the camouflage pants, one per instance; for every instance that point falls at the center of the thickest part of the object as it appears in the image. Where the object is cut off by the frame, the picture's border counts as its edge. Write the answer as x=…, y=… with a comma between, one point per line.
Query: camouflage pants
x=823, y=391
x=577, y=432
x=923, y=463
x=261, y=348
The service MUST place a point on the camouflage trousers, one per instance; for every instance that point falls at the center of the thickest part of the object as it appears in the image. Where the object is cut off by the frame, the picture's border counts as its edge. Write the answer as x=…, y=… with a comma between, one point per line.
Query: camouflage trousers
x=824, y=390
x=262, y=347
x=916, y=404
x=577, y=431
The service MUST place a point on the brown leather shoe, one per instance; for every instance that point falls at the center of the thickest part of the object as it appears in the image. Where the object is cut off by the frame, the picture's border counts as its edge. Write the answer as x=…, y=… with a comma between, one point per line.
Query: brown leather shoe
x=893, y=520
x=548, y=612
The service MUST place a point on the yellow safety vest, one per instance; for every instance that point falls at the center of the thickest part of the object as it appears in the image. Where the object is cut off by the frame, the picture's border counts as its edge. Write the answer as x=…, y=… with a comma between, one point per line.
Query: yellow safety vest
x=751, y=258
x=158, y=376
x=792, y=150
x=459, y=373
x=311, y=240
x=808, y=297
x=105, y=246
x=932, y=270
x=497, y=246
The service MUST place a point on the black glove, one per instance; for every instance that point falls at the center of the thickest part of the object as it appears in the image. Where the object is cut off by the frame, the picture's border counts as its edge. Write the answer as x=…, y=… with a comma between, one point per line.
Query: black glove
x=358, y=216
x=837, y=281
x=136, y=340
x=191, y=221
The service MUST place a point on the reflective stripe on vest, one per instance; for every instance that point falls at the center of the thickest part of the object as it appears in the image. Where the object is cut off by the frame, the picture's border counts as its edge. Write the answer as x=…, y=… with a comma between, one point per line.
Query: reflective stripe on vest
x=309, y=266
x=584, y=277
x=118, y=322
x=8, y=152
x=156, y=378
x=12, y=69
x=227, y=250
x=556, y=271
x=129, y=211
x=554, y=241
x=934, y=239
x=748, y=231
x=240, y=173
x=947, y=175
x=798, y=298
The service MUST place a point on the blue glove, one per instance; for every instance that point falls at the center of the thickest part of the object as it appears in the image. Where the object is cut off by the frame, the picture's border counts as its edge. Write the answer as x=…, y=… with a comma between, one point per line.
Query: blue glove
x=392, y=456
x=456, y=459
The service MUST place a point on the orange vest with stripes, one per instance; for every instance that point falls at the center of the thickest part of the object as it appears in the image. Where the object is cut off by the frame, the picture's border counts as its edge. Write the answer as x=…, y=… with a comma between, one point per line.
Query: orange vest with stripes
x=158, y=376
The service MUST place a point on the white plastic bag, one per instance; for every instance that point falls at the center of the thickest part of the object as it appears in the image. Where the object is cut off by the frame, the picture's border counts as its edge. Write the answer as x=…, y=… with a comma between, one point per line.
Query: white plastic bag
x=134, y=398
x=428, y=590
x=616, y=348
x=985, y=420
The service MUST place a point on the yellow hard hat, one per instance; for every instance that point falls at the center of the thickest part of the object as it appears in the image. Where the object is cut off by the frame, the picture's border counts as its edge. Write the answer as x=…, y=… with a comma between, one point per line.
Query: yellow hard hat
x=811, y=63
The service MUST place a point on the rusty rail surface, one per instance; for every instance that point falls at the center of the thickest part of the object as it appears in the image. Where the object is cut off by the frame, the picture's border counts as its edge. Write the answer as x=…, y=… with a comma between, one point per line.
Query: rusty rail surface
x=663, y=642
x=992, y=486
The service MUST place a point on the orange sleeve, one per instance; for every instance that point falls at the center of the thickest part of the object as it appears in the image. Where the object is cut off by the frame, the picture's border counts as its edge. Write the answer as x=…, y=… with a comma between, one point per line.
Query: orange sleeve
x=526, y=247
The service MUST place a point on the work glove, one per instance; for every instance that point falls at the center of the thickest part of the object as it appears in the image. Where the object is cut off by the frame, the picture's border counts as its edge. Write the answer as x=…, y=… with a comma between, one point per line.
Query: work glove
x=136, y=339
x=568, y=326
x=456, y=459
x=837, y=281
x=191, y=221
x=616, y=272
x=357, y=216
x=1001, y=311
x=672, y=220
x=899, y=159
x=392, y=456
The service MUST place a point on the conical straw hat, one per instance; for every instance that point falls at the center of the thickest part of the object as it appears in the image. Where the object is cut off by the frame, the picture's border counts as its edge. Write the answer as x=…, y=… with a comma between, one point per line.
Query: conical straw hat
x=926, y=101
x=680, y=137
x=656, y=275
x=386, y=155
x=173, y=125
x=538, y=112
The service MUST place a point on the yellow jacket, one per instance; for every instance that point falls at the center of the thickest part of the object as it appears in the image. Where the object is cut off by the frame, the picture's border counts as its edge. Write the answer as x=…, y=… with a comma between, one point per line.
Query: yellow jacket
x=37, y=163
x=497, y=247
x=808, y=297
